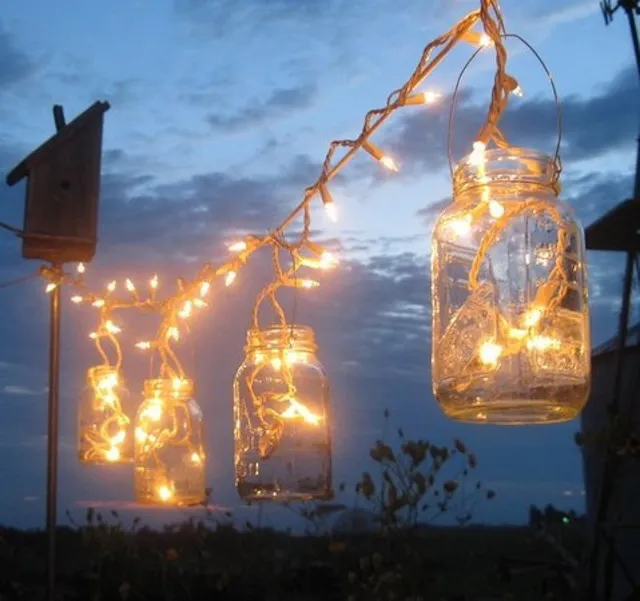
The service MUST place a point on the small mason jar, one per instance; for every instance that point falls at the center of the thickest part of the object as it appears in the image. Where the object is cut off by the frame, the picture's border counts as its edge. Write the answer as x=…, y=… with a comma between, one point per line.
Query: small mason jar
x=281, y=412
x=104, y=429
x=169, y=454
x=510, y=320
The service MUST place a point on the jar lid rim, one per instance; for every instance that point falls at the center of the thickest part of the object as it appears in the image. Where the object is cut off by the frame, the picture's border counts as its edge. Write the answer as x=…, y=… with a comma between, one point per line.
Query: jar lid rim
x=188, y=383
x=516, y=151
x=278, y=328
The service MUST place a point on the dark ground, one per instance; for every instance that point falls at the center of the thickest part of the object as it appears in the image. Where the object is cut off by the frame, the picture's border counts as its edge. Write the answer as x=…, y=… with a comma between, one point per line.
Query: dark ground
x=198, y=561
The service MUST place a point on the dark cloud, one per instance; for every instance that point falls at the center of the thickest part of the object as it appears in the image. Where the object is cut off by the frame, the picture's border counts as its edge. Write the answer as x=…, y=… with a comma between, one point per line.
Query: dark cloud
x=594, y=194
x=592, y=126
x=281, y=103
x=15, y=65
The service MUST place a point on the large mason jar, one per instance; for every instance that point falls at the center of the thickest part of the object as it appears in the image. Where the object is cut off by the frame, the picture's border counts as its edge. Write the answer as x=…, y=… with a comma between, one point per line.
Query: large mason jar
x=104, y=428
x=510, y=321
x=281, y=412
x=169, y=453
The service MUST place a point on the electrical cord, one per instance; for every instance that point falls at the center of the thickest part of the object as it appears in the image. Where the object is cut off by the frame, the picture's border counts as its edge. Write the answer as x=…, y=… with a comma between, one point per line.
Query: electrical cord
x=19, y=280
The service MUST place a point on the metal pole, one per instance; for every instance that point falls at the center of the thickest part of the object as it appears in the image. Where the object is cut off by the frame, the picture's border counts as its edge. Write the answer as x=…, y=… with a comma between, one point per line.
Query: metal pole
x=630, y=7
x=611, y=463
x=52, y=439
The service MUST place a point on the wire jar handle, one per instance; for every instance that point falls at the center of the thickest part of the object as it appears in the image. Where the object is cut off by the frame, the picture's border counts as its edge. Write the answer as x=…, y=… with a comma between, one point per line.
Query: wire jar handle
x=556, y=159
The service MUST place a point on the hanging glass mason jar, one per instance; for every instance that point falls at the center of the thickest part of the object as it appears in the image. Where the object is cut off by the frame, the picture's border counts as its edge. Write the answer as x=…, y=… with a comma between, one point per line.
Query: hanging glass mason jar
x=104, y=429
x=510, y=321
x=281, y=412
x=169, y=453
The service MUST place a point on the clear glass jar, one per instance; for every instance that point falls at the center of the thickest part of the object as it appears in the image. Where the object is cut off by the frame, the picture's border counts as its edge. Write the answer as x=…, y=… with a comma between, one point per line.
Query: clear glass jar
x=510, y=320
x=281, y=413
x=104, y=429
x=169, y=452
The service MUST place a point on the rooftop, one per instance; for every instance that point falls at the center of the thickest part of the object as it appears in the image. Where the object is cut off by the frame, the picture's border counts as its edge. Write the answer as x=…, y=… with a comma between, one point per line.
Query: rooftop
x=633, y=339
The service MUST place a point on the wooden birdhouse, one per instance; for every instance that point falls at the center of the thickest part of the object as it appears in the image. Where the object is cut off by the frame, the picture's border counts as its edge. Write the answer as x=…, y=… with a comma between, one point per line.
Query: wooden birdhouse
x=63, y=183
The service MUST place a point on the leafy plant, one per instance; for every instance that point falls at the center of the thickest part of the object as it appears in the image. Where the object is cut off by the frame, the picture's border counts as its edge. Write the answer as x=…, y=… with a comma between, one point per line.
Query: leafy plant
x=412, y=488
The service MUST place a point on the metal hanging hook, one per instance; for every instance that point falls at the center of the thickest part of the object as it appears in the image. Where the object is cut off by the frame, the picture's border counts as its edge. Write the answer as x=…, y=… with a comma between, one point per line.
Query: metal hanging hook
x=556, y=159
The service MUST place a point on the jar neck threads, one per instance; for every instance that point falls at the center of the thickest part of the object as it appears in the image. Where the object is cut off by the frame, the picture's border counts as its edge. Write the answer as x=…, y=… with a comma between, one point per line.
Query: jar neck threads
x=168, y=388
x=505, y=167
x=281, y=338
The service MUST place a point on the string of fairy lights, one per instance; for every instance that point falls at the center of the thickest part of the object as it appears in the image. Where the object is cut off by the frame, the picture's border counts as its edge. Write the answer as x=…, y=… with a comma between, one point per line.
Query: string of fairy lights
x=281, y=421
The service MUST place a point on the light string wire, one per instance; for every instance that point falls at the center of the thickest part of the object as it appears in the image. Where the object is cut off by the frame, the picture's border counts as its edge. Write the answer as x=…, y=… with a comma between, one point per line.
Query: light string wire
x=191, y=294
x=303, y=252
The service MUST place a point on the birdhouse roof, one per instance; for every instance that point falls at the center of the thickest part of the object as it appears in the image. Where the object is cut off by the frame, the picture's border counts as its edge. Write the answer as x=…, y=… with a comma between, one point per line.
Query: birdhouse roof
x=58, y=140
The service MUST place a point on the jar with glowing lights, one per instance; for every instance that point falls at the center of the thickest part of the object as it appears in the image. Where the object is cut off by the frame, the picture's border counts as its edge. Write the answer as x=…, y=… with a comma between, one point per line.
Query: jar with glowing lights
x=510, y=321
x=104, y=428
x=281, y=412
x=169, y=453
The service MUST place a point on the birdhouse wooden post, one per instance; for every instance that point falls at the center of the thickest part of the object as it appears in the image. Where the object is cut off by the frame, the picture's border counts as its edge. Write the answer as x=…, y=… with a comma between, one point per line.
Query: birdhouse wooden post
x=63, y=183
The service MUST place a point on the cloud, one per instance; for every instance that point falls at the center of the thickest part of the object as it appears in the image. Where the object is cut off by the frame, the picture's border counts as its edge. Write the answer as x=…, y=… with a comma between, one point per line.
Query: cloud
x=592, y=126
x=553, y=16
x=594, y=193
x=281, y=103
x=17, y=390
x=15, y=65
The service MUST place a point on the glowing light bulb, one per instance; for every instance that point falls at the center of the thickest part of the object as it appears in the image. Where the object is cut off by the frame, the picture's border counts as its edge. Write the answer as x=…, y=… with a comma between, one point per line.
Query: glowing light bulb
x=461, y=226
x=430, y=97
x=389, y=163
x=328, y=260
x=164, y=492
x=543, y=343
x=238, y=246
x=143, y=345
x=308, y=283
x=50, y=287
x=178, y=383
x=485, y=40
x=118, y=438
x=111, y=286
x=379, y=156
x=490, y=353
x=186, y=310
x=276, y=363
x=111, y=327
x=195, y=457
x=477, y=155
x=204, y=288
x=81, y=268
x=496, y=210
x=173, y=332
x=332, y=211
x=327, y=201
x=153, y=282
x=531, y=318
x=517, y=333
x=154, y=412
x=298, y=410
x=230, y=278
x=99, y=302
x=293, y=357
x=140, y=434
x=76, y=299
x=113, y=454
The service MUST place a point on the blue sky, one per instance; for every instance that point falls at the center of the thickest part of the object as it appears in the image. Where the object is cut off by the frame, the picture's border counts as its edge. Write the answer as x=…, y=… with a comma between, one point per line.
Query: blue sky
x=221, y=115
